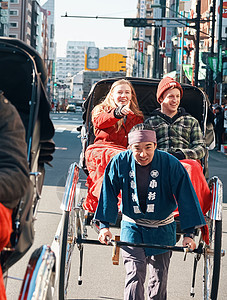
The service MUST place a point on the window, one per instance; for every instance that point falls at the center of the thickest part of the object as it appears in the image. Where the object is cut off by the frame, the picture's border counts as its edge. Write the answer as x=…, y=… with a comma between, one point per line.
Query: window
x=52, y=31
x=13, y=36
x=13, y=25
x=14, y=1
x=14, y=13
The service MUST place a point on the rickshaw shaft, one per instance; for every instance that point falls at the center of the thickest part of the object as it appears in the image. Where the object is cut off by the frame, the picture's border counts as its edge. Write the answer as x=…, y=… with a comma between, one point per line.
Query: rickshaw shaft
x=141, y=245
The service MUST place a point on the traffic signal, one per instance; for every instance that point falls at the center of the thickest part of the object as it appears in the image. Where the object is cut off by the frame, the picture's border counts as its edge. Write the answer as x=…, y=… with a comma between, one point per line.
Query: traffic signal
x=135, y=22
x=55, y=84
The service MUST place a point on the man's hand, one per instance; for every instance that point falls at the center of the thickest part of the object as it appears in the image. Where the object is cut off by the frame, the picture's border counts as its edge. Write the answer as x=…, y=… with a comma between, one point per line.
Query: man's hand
x=188, y=242
x=104, y=236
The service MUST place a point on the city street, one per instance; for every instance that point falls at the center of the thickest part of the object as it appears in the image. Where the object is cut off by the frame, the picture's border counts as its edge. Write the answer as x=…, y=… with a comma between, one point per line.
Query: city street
x=102, y=280
x=110, y=66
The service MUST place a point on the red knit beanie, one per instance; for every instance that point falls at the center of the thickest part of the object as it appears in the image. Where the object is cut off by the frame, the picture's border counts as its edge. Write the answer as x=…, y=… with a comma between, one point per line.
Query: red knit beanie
x=165, y=84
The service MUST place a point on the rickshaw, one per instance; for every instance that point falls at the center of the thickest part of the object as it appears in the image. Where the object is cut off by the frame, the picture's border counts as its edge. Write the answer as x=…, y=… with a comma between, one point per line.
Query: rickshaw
x=23, y=82
x=73, y=228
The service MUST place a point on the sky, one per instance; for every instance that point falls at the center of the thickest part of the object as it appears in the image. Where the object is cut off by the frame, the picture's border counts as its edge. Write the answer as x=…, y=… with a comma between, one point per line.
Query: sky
x=105, y=33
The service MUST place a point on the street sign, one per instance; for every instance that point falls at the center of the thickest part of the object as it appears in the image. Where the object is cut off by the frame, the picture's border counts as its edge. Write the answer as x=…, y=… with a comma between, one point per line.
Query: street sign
x=135, y=22
x=174, y=23
x=165, y=22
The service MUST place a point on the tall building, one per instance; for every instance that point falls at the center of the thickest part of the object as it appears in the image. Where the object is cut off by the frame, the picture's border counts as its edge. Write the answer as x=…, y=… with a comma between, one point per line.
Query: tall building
x=20, y=20
x=4, y=18
x=49, y=6
x=74, y=61
x=28, y=22
x=82, y=82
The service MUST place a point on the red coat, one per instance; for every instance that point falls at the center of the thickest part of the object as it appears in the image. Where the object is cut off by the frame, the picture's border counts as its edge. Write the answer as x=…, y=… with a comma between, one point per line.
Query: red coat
x=108, y=142
x=106, y=130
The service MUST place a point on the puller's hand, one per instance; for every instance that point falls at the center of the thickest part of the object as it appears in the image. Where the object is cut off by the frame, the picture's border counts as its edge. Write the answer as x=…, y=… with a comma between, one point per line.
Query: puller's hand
x=104, y=236
x=188, y=242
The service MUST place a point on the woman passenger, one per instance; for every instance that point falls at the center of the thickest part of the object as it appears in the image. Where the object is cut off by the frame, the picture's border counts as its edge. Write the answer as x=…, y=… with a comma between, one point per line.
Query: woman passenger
x=112, y=120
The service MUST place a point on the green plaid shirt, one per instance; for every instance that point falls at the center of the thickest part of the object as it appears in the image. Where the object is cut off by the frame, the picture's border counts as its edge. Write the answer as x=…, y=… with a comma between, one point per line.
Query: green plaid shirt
x=182, y=132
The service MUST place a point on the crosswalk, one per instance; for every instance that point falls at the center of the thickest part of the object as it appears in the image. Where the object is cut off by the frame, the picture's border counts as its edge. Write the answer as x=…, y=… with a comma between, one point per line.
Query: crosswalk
x=65, y=118
x=66, y=123
x=63, y=129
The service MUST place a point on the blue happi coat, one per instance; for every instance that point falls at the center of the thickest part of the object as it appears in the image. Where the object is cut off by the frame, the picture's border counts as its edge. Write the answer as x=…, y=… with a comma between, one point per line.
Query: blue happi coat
x=169, y=187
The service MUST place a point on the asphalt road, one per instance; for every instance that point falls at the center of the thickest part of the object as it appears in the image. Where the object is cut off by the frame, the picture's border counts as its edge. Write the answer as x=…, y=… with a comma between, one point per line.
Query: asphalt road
x=102, y=280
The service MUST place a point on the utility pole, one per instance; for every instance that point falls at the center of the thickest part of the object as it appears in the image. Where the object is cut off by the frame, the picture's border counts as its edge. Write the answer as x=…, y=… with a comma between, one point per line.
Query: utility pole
x=182, y=54
x=219, y=62
x=211, y=73
x=196, y=72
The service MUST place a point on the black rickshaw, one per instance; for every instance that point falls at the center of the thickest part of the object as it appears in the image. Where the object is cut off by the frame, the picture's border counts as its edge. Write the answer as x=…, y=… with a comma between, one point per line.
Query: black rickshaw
x=23, y=80
x=75, y=220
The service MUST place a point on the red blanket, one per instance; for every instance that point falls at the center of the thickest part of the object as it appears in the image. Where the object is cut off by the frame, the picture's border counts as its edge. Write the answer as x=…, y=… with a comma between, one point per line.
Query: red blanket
x=202, y=190
x=97, y=157
x=5, y=232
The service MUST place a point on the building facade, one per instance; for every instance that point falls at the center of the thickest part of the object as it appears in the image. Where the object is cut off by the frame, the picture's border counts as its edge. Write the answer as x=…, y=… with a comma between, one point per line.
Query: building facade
x=82, y=82
x=20, y=15
x=74, y=61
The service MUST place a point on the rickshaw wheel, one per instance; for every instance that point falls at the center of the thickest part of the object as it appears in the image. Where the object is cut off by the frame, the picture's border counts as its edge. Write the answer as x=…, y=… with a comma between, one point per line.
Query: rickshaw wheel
x=212, y=259
x=67, y=246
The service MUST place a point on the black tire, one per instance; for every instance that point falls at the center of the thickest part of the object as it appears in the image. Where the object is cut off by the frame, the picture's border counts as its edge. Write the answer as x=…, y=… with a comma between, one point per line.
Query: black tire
x=67, y=246
x=212, y=260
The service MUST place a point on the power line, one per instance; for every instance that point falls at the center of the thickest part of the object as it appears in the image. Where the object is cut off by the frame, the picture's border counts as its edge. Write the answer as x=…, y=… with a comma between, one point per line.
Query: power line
x=90, y=17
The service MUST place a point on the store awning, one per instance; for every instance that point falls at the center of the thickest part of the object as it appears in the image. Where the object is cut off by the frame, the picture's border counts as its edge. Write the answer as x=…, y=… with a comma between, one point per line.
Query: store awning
x=188, y=72
x=172, y=74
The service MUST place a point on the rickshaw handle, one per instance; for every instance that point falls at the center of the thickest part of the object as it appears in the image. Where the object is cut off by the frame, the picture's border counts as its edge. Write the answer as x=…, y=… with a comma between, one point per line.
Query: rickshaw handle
x=141, y=245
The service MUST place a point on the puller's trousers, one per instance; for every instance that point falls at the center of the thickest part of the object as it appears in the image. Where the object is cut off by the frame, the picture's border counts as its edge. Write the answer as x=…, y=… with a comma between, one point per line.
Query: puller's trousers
x=136, y=263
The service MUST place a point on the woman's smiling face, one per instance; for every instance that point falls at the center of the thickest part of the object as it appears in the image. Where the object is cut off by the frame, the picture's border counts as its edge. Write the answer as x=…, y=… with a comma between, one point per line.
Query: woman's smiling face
x=122, y=94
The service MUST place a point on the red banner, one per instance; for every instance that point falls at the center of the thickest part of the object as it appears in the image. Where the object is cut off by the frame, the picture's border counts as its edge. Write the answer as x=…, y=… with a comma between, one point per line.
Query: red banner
x=140, y=46
x=224, y=10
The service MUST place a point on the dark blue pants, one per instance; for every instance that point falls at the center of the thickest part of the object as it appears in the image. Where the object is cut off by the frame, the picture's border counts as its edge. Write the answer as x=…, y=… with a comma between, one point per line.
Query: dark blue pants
x=136, y=263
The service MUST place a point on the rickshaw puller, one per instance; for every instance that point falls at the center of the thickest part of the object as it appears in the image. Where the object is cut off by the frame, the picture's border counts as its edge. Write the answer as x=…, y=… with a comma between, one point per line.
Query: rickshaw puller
x=152, y=183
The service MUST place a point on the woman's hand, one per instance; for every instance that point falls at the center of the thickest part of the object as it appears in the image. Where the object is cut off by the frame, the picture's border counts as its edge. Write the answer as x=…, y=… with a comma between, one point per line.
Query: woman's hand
x=125, y=110
x=104, y=236
x=188, y=242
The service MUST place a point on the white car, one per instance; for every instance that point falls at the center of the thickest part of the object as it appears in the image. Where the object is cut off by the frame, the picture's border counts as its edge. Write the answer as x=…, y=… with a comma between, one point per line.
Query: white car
x=71, y=107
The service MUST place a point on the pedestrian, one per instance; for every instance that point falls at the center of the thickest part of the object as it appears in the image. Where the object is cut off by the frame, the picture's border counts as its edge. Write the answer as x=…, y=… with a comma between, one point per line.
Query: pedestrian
x=152, y=184
x=112, y=120
x=179, y=134
x=14, y=172
x=219, y=126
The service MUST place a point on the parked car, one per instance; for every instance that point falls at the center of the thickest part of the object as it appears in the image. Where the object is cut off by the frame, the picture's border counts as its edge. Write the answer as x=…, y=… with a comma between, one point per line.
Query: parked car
x=71, y=107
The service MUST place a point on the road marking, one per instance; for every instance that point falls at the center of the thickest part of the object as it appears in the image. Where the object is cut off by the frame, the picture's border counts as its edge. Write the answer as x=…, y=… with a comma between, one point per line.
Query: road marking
x=60, y=129
x=74, y=130
x=61, y=148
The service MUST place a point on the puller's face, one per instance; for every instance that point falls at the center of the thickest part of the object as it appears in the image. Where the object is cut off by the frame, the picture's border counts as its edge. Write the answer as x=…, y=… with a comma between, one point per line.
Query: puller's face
x=122, y=94
x=171, y=101
x=143, y=152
